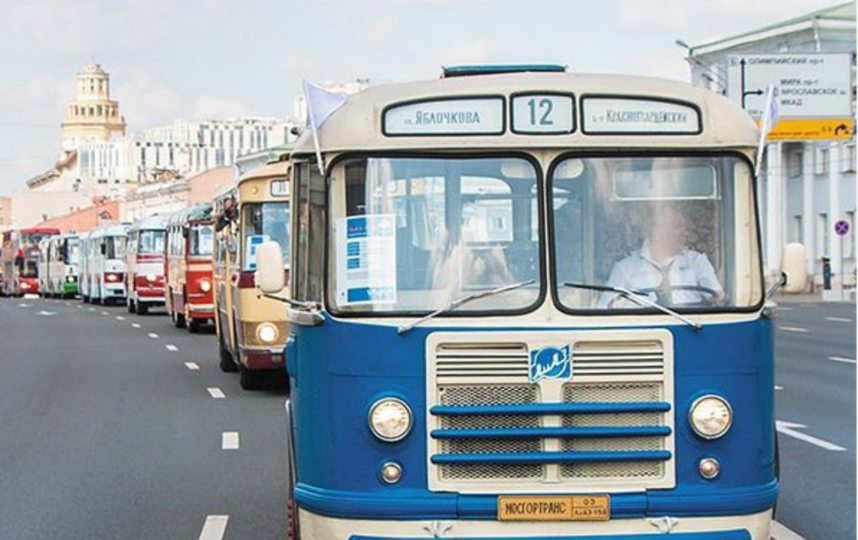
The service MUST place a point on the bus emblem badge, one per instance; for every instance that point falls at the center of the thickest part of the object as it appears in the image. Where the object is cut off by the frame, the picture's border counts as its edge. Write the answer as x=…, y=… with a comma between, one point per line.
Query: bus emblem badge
x=551, y=363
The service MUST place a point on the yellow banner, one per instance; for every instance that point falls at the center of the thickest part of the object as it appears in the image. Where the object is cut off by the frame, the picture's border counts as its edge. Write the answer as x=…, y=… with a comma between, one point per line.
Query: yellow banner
x=801, y=129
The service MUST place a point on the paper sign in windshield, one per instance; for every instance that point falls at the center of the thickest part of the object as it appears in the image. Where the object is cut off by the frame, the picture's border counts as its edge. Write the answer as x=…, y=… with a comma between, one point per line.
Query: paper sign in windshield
x=253, y=243
x=366, y=260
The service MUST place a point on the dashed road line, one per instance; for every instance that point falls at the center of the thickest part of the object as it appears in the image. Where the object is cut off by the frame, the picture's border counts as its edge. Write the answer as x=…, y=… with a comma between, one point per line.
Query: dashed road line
x=794, y=329
x=120, y=318
x=838, y=319
x=172, y=348
x=105, y=313
x=135, y=325
x=779, y=387
x=193, y=366
x=229, y=440
x=214, y=528
x=153, y=335
x=216, y=392
x=841, y=359
x=790, y=429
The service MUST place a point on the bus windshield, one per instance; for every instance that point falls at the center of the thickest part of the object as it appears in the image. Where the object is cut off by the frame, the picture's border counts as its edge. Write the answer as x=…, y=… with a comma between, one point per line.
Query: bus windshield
x=72, y=250
x=114, y=247
x=678, y=231
x=29, y=268
x=413, y=235
x=151, y=242
x=201, y=240
x=263, y=222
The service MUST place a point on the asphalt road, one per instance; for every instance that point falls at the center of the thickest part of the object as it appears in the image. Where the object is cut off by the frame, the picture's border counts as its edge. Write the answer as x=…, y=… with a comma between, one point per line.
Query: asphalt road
x=106, y=433
x=109, y=428
x=815, y=381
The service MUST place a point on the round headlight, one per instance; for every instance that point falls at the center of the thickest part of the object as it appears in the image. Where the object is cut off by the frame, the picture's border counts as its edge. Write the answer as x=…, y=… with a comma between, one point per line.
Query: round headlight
x=151, y=278
x=390, y=419
x=205, y=285
x=266, y=332
x=711, y=417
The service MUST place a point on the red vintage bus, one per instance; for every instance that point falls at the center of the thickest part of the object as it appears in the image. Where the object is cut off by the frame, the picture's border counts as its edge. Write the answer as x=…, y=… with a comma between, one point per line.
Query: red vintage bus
x=144, y=267
x=188, y=294
x=20, y=254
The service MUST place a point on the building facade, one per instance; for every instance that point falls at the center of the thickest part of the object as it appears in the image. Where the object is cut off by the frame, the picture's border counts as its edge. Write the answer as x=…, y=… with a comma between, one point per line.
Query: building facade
x=806, y=185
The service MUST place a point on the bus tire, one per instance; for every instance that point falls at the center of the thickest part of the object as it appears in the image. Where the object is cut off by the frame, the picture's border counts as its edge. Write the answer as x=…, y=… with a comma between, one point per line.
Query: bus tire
x=142, y=309
x=131, y=307
x=178, y=319
x=251, y=380
x=227, y=365
x=194, y=326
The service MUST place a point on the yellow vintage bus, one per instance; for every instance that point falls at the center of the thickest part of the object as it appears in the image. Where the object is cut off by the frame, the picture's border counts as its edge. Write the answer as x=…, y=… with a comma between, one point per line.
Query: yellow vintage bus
x=251, y=330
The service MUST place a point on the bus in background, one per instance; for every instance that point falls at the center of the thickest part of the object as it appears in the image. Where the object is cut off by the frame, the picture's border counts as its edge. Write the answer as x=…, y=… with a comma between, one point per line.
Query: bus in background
x=479, y=322
x=103, y=258
x=144, y=264
x=189, y=298
x=60, y=277
x=251, y=330
x=21, y=259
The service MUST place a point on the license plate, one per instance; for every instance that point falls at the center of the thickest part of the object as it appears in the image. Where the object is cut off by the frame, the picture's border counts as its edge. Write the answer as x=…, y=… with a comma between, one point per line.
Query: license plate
x=554, y=508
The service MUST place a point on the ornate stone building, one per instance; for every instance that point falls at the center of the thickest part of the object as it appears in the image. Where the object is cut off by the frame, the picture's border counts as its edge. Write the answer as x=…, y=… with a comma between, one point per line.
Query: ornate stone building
x=92, y=116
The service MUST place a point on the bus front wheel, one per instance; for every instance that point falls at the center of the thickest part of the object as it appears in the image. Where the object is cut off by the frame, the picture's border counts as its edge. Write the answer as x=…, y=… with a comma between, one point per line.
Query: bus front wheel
x=227, y=364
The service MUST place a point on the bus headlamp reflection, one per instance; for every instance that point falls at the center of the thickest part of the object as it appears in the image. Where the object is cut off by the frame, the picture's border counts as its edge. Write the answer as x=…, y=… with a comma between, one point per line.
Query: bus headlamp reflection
x=711, y=417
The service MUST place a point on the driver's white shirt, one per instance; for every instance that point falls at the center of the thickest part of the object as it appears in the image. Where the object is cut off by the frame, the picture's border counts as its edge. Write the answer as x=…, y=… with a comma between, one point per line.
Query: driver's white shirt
x=640, y=271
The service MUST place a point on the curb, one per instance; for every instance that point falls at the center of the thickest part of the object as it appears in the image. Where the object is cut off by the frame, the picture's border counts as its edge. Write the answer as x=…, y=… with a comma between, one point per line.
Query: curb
x=780, y=532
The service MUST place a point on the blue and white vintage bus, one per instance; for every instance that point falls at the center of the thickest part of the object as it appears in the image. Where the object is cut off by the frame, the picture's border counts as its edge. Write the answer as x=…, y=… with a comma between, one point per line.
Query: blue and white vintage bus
x=529, y=304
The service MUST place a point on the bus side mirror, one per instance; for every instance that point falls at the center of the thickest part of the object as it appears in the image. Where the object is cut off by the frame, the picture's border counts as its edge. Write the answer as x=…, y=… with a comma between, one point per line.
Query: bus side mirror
x=794, y=268
x=269, y=268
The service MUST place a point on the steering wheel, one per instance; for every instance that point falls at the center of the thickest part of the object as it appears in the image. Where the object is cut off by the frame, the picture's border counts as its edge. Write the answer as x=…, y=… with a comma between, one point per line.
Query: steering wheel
x=695, y=288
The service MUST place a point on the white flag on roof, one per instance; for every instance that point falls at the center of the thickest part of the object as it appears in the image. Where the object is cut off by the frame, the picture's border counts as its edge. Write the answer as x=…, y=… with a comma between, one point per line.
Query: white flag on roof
x=321, y=104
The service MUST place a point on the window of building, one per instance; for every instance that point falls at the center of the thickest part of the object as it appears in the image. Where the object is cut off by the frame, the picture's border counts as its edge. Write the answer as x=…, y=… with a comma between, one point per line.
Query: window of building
x=822, y=235
x=795, y=161
x=795, y=233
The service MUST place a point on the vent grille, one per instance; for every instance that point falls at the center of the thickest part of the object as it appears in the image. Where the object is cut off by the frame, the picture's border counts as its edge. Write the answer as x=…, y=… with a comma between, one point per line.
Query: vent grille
x=454, y=360
x=490, y=427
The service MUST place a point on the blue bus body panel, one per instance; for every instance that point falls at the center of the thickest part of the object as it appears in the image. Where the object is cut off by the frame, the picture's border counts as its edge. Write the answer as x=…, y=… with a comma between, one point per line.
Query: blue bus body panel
x=341, y=367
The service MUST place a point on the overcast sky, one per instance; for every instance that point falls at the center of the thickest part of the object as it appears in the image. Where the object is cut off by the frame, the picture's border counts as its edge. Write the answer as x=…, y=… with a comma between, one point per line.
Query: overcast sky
x=171, y=59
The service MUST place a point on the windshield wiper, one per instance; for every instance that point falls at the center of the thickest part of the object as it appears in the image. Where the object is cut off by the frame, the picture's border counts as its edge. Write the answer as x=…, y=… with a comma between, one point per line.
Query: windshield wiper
x=464, y=300
x=637, y=297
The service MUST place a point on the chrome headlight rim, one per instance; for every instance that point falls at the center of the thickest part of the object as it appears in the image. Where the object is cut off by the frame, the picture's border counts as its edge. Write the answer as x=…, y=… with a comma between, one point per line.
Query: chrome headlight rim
x=275, y=333
x=390, y=400
x=702, y=434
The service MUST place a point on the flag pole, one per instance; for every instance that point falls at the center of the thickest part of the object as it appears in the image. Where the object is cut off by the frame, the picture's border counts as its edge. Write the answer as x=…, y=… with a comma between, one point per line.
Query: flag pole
x=312, y=119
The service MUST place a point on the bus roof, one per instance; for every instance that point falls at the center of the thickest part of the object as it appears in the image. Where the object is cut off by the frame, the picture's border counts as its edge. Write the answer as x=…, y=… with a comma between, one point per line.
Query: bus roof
x=357, y=125
x=200, y=212
x=154, y=222
x=109, y=230
x=272, y=169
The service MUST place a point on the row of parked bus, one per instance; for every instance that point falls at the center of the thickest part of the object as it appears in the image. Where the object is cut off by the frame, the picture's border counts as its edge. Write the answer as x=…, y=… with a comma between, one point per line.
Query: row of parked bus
x=199, y=271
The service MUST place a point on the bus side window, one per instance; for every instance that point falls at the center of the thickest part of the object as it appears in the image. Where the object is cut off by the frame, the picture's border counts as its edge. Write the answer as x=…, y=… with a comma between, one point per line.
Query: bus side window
x=308, y=218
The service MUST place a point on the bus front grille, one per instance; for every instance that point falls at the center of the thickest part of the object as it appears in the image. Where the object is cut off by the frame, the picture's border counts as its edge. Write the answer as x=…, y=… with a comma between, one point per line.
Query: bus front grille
x=491, y=430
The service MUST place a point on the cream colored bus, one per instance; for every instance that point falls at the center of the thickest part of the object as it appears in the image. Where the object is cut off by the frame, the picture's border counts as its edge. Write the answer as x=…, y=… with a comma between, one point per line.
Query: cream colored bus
x=251, y=330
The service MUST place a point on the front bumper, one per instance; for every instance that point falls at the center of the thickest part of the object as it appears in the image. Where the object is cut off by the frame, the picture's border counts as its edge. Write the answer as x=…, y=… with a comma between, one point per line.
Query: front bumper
x=260, y=359
x=747, y=527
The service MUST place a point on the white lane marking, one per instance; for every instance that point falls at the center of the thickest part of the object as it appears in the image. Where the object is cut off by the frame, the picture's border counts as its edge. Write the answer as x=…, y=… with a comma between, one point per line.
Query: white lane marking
x=214, y=528
x=838, y=319
x=105, y=313
x=68, y=304
x=23, y=305
x=46, y=313
x=794, y=329
x=789, y=429
x=135, y=325
x=192, y=366
x=781, y=532
x=172, y=348
x=80, y=307
x=216, y=392
x=31, y=296
x=153, y=335
x=841, y=359
x=92, y=309
x=120, y=318
x=779, y=387
x=229, y=440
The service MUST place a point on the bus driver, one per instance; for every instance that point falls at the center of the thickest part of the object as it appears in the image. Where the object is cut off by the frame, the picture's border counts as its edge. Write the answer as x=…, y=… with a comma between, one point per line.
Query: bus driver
x=665, y=269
